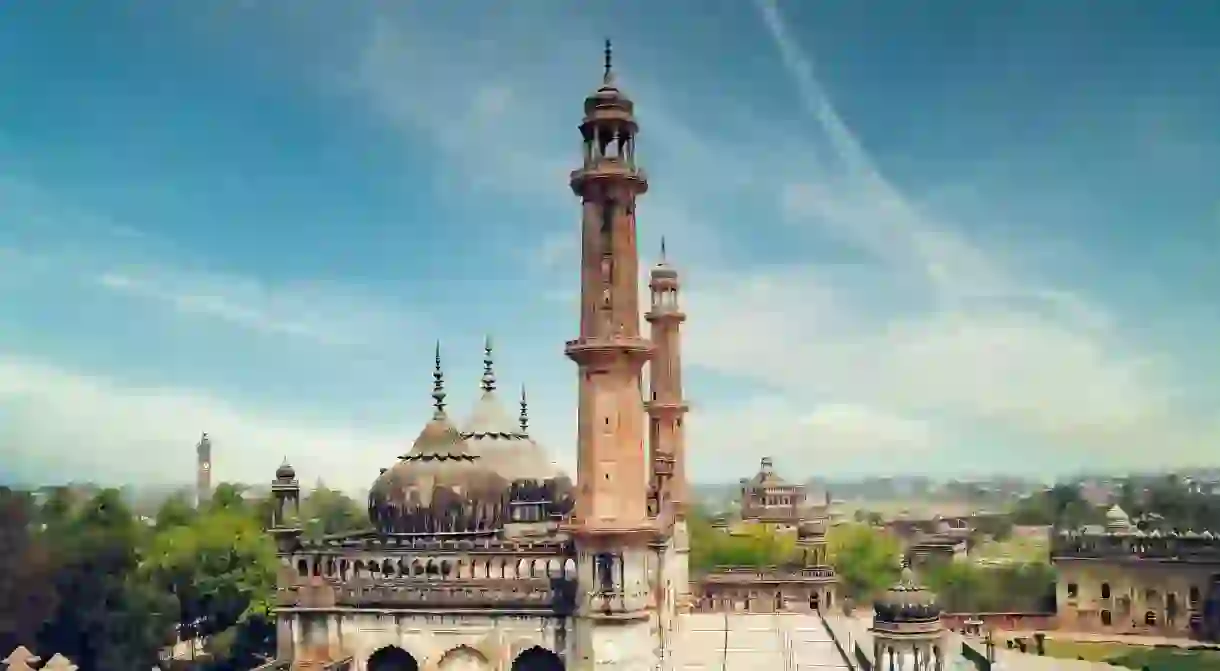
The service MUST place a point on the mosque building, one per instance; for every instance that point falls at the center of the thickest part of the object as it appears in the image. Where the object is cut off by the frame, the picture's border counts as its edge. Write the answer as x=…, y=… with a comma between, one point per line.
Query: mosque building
x=482, y=554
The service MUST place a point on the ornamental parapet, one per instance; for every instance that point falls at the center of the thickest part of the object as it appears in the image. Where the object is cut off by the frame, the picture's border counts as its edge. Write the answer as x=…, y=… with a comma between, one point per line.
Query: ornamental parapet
x=744, y=574
x=373, y=541
x=1172, y=546
x=551, y=595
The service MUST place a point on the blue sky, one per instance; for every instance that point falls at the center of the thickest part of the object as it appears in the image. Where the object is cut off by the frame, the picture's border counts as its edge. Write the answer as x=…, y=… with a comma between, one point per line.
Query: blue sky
x=915, y=236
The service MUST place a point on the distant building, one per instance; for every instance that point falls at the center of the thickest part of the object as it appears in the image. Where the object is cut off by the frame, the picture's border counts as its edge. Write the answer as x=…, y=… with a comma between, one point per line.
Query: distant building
x=769, y=499
x=203, y=470
x=808, y=583
x=1118, y=579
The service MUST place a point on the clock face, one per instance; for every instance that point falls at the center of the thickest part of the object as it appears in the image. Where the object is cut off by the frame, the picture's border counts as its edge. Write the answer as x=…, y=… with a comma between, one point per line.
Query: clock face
x=207, y=466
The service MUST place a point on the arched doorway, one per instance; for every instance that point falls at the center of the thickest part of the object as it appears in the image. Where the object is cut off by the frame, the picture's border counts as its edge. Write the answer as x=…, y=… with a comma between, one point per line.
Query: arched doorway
x=392, y=658
x=463, y=658
x=537, y=659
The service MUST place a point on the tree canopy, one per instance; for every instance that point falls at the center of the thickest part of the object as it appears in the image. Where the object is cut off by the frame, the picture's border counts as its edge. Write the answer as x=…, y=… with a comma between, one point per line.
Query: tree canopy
x=865, y=558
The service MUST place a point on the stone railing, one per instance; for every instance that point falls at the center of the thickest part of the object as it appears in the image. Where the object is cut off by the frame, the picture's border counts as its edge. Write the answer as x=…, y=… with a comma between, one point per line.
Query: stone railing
x=1186, y=546
x=22, y=659
x=736, y=574
x=528, y=594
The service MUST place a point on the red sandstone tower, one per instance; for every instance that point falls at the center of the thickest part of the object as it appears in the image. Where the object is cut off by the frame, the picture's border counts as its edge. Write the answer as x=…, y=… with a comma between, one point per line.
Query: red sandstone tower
x=666, y=435
x=610, y=521
x=610, y=351
x=667, y=407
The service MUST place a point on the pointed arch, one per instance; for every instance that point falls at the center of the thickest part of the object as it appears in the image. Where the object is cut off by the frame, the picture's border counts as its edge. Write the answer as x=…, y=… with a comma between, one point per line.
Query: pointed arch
x=463, y=658
x=537, y=659
x=392, y=658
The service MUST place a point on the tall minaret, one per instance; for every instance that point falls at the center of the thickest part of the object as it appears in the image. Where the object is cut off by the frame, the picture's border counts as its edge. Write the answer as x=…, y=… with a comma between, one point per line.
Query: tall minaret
x=666, y=412
x=203, y=470
x=610, y=522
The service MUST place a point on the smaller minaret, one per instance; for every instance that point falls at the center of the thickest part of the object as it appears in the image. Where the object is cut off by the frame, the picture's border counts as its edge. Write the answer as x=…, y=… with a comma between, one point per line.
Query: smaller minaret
x=666, y=406
x=666, y=435
x=203, y=471
x=286, y=497
x=286, y=531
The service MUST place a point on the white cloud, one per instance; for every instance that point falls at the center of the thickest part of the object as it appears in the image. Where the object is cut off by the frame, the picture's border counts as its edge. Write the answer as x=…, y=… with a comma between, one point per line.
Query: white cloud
x=121, y=433
x=321, y=312
x=934, y=339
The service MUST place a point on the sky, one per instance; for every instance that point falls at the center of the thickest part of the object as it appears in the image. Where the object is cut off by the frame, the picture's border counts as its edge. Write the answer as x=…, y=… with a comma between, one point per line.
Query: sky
x=914, y=236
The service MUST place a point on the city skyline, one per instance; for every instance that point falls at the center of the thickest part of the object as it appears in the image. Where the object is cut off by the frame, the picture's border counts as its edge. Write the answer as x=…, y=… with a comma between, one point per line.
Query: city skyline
x=903, y=248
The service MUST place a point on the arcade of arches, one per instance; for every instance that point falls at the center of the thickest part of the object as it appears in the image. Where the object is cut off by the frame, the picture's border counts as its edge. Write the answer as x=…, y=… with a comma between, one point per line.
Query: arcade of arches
x=463, y=658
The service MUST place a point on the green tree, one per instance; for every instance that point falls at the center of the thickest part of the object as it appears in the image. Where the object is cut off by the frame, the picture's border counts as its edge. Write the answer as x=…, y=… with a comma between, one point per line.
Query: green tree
x=221, y=567
x=228, y=496
x=106, y=619
x=865, y=558
x=965, y=587
x=27, y=588
x=175, y=511
x=758, y=546
x=329, y=511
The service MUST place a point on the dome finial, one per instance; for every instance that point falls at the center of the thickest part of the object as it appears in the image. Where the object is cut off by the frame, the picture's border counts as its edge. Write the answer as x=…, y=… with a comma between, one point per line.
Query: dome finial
x=489, y=375
x=438, y=385
x=608, y=74
x=906, y=576
x=525, y=420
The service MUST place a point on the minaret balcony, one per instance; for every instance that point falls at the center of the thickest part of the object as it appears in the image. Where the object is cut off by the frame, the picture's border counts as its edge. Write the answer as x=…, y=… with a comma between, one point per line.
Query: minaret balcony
x=674, y=407
x=664, y=314
x=605, y=349
x=608, y=169
x=663, y=465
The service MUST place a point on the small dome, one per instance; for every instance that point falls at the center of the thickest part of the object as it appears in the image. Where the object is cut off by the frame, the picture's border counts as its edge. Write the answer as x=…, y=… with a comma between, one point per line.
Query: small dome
x=906, y=602
x=438, y=487
x=285, y=471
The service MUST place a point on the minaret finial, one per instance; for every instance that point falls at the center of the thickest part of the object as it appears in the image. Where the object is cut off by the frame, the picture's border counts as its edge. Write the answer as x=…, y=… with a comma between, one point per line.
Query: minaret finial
x=662, y=249
x=438, y=385
x=608, y=75
x=525, y=420
x=489, y=375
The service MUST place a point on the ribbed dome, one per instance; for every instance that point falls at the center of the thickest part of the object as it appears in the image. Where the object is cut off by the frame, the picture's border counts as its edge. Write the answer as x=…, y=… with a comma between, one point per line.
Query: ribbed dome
x=440, y=486
x=508, y=449
x=906, y=602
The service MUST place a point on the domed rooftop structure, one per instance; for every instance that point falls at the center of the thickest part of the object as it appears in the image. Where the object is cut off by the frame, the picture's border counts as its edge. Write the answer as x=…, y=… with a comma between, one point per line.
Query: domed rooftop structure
x=1117, y=520
x=906, y=602
x=440, y=486
x=505, y=444
x=285, y=472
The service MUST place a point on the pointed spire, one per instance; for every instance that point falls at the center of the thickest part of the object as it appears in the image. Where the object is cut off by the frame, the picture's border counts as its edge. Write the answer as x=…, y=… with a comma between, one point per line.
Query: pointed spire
x=438, y=385
x=907, y=576
x=489, y=375
x=662, y=249
x=608, y=74
x=525, y=420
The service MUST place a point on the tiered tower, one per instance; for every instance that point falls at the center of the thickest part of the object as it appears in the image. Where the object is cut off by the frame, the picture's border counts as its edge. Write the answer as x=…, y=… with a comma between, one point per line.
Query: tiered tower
x=203, y=470
x=610, y=524
x=667, y=409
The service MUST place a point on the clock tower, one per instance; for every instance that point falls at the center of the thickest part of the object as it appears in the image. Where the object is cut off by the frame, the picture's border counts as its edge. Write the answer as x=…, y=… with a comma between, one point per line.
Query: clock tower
x=203, y=470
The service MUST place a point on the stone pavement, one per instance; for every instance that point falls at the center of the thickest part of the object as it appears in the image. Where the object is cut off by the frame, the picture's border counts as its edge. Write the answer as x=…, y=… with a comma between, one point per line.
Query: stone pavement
x=754, y=642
